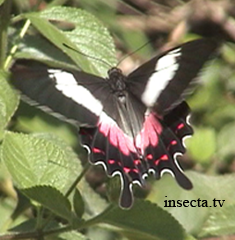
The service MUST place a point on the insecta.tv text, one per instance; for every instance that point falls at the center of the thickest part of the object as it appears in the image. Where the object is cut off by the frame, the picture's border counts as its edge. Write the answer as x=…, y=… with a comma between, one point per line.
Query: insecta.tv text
x=194, y=203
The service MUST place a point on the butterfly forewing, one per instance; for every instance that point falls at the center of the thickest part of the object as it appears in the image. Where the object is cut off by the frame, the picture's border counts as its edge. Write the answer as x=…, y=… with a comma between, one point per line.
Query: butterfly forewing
x=132, y=125
x=163, y=82
x=68, y=96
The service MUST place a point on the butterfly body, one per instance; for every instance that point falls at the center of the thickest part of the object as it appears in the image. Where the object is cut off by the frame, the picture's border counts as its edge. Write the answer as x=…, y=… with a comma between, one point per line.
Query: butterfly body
x=117, y=82
x=133, y=125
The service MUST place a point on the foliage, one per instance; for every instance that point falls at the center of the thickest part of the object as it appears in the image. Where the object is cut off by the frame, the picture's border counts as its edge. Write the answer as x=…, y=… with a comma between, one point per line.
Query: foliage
x=43, y=166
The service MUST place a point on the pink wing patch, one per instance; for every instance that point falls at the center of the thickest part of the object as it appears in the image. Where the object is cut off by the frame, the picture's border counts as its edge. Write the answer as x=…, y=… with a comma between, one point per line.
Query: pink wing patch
x=149, y=135
x=117, y=137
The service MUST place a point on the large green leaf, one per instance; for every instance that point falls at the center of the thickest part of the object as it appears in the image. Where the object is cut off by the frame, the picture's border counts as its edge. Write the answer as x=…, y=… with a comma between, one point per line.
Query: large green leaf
x=88, y=36
x=39, y=160
x=9, y=100
x=145, y=221
x=52, y=199
x=205, y=188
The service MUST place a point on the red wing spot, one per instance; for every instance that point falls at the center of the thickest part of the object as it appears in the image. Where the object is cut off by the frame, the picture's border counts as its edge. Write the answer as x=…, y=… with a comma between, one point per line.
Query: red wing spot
x=149, y=156
x=126, y=169
x=164, y=157
x=156, y=162
x=174, y=142
x=135, y=170
x=97, y=150
x=111, y=161
x=137, y=162
x=180, y=126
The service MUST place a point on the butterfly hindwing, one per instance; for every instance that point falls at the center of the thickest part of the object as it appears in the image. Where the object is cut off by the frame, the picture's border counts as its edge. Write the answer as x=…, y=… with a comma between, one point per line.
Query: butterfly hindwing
x=163, y=157
x=109, y=146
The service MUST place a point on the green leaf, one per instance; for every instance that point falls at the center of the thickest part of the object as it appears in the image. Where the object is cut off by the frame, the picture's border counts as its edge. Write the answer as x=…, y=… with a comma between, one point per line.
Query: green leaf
x=204, y=188
x=221, y=222
x=23, y=203
x=25, y=226
x=52, y=199
x=202, y=145
x=88, y=36
x=145, y=221
x=9, y=100
x=42, y=159
x=78, y=203
x=30, y=225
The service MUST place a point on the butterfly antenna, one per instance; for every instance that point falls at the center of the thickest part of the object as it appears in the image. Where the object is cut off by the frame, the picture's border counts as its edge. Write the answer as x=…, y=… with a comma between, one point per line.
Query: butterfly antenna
x=128, y=55
x=91, y=57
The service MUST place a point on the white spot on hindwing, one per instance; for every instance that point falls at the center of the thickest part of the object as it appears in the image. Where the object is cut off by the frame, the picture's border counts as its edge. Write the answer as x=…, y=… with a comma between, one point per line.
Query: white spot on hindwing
x=67, y=84
x=165, y=69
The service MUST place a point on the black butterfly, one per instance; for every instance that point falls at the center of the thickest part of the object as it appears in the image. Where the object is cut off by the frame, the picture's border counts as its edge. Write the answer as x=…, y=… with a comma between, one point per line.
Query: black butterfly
x=133, y=125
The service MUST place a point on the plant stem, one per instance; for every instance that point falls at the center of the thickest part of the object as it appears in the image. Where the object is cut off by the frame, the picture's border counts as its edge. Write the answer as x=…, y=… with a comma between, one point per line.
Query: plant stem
x=98, y=219
x=5, y=10
x=37, y=234
x=78, y=179
x=34, y=234
x=15, y=47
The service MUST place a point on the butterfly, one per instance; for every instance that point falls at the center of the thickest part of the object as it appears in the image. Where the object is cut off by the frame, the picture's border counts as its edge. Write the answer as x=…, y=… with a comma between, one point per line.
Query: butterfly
x=133, y=125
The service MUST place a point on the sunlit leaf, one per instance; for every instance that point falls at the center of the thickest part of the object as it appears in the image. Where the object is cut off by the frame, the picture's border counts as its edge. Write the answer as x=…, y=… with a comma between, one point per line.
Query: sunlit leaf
x=85, y=34
x=39, y=160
